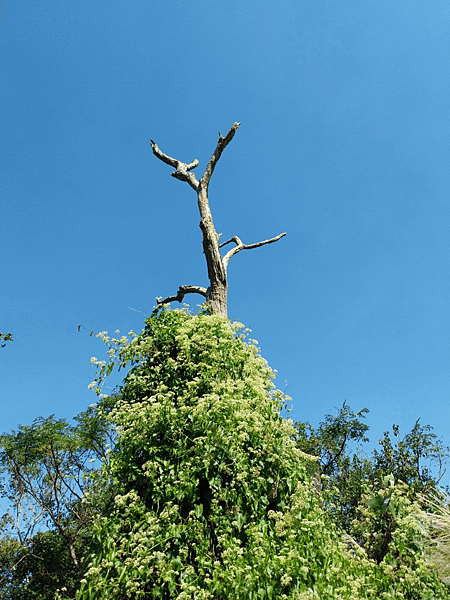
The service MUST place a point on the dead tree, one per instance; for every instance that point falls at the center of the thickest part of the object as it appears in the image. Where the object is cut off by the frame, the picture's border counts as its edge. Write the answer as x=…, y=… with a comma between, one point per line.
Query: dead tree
x=216, y=293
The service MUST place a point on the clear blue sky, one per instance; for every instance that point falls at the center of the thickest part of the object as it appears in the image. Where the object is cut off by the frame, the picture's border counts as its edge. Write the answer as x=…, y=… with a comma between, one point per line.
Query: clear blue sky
x=344, y=144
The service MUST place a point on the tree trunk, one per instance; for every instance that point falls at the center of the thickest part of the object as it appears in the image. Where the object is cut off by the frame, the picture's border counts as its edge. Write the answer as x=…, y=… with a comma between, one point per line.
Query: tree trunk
x=216, y=294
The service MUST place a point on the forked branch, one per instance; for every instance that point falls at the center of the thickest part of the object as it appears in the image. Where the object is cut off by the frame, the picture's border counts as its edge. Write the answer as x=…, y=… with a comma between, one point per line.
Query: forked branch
x=182, y=168
x=241, y=246
x=216, y=294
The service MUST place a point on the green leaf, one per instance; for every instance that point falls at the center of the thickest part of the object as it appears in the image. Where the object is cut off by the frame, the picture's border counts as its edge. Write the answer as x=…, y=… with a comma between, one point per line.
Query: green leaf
x=379, y=503
x=240, y=519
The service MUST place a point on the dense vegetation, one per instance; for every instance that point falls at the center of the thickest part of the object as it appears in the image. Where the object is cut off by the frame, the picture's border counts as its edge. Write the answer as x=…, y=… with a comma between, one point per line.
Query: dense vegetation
x=188, y=483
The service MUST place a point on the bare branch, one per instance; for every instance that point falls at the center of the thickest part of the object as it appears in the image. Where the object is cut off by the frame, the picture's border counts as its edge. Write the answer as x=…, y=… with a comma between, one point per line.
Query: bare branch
x=221, y=145
x=60, y=476
x=173, y=162
x=240, y=246
x=181, y=167
x=216, y=294
x=183, y=289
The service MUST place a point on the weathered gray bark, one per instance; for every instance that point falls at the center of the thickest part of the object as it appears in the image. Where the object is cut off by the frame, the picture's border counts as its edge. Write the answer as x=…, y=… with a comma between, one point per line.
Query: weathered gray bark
x=216, y=294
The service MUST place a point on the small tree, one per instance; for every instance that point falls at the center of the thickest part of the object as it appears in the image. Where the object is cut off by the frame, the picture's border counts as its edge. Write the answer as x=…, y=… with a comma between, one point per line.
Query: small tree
x=45, y=471
x=350, y=473
x=216, y=293
x=346, y=473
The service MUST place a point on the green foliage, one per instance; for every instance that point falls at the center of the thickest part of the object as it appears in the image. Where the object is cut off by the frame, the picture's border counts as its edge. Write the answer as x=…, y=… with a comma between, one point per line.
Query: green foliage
x=331, y=439
x=206, y=492
x=394, y=534
x=36, y=569
x=214, y=499
x=349, y=473
x=46, y=469
x=377, y=501
x=411, y=458
x=343, y=475
x=10, y=555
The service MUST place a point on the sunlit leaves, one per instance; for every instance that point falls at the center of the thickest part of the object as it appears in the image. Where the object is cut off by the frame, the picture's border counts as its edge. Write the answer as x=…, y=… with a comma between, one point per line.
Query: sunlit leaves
x=214, y=493
x=208, y=474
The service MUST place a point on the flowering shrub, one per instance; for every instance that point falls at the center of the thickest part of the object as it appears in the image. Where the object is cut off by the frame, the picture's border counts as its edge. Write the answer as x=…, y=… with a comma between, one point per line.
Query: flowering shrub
x=394, y=534
x=213, y=498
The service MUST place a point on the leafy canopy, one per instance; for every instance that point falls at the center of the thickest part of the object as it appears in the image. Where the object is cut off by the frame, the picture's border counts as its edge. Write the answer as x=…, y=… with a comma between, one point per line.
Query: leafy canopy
x=45, y=471
x=350, y=473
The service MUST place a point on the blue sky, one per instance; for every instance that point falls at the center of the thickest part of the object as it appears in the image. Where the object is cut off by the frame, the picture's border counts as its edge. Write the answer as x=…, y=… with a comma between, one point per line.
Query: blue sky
x=344, y=144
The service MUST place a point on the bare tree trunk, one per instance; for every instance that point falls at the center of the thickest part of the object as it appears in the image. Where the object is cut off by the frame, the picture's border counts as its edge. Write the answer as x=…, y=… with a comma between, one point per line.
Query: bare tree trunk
x=216, y=294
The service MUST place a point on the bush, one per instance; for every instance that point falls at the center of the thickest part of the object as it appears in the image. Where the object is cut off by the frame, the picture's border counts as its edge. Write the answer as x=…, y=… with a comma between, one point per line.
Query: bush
x=214, y=499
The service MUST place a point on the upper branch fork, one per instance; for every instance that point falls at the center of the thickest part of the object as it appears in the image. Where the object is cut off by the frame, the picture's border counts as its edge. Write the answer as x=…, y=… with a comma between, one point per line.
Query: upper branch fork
x=182, y=169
